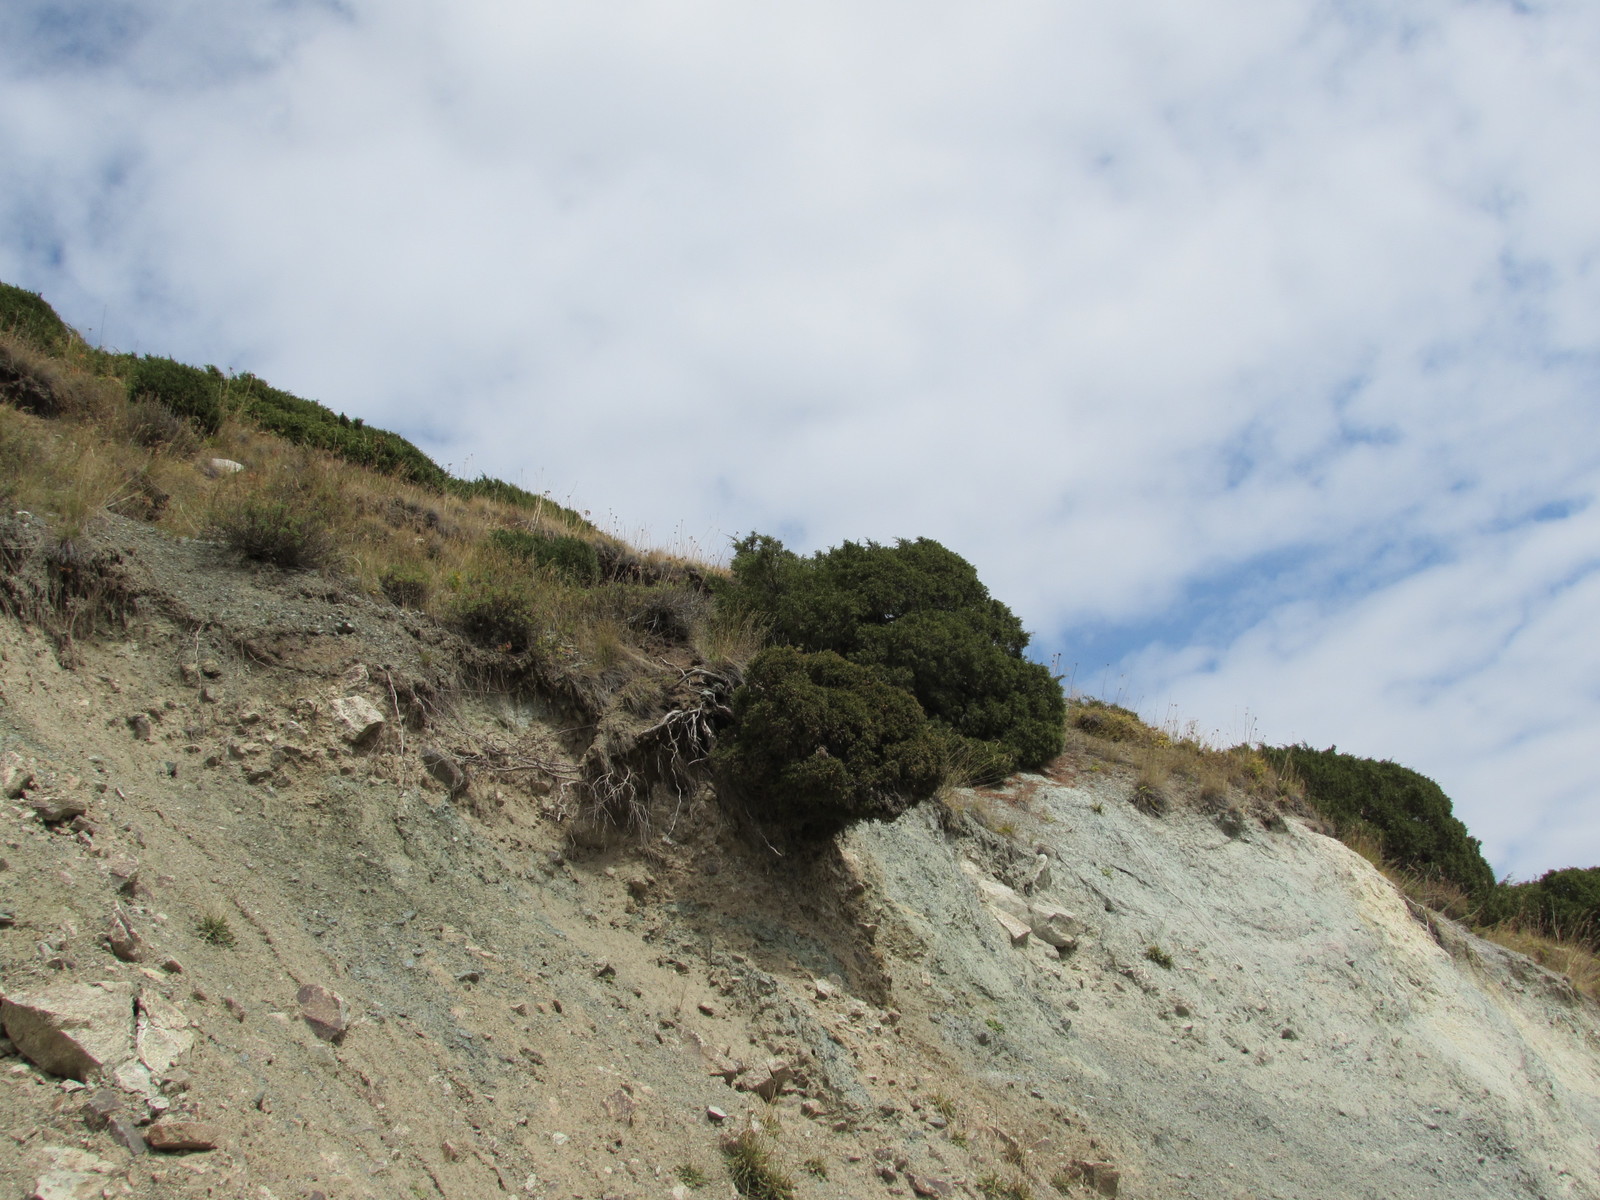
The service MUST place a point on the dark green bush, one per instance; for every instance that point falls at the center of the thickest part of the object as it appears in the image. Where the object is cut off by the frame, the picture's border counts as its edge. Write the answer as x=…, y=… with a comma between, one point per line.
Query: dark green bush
x=573, y=558
x=28, y=315
x=187, y=391
x=821, y=742
x=919, y=612
x=1562, y=904
x=1409, y=814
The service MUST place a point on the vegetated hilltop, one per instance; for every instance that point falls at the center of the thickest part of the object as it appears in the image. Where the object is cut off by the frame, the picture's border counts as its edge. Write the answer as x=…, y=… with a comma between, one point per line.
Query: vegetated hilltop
x=392, y=836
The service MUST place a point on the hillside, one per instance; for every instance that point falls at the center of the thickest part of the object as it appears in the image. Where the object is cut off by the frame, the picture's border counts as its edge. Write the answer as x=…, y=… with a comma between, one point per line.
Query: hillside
x=1254, y=1013
x=371, y=833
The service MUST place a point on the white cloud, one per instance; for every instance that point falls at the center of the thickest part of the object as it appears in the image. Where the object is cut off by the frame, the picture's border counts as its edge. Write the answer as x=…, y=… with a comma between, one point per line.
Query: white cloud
x=1126, y=303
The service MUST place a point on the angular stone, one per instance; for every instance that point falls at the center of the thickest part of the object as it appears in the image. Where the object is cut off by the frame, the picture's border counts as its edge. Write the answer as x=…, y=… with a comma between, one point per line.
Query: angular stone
x=999, y=896
x=1054, y=925
x=53, y=810
x=139, y=724
x=73, y=1175
x=173, y=1136
x=324, y=1011
x=445, y=769
x=162, y=1034
x=104, y=1111
x=356, y=718
x=122, y=938
x=926, y=1185
x=620, y=1106
x=778, y=1074
x=124, y=873
x=72, y=1029
x=14, y=777
x=825, y=989
x=1016, y=930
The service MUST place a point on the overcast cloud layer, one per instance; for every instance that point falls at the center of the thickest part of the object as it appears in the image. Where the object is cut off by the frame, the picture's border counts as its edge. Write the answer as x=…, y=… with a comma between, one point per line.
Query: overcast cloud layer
x=1250, y=349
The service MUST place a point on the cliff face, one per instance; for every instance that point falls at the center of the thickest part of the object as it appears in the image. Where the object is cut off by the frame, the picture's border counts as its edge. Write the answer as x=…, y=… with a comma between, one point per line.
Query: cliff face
x=441, y=981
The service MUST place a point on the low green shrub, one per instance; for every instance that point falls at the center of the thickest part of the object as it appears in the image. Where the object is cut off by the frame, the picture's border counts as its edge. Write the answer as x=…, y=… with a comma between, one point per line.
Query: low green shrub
x=28, y=315
x=820, y=743
x=287, y=526
x=187, y=391
x=1563, y=905
x=573, y=558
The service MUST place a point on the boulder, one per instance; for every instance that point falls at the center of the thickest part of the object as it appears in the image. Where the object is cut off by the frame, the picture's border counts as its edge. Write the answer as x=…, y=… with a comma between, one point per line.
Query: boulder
x=445, y=769
x=357, y=720
x=15, y=778
x=72, y=1029
x=73, y=1174
x=1054, y=925
x=54, y=810
x=324, y=1011
x=162, y=1034
x=998, y=896
x=174, y=1136
x=215, y=467
x=1017, y=930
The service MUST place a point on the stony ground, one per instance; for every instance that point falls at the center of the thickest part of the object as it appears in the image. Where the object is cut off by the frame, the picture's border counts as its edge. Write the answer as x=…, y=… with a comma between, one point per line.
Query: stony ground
x=438, y=984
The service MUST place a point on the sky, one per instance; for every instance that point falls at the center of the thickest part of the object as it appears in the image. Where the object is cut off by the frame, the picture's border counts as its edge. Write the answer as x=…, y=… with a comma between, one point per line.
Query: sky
x=1250, y=350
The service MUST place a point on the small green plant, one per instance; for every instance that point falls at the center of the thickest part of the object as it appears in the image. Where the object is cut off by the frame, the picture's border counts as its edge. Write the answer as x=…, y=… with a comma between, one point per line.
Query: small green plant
x=1096, y=807
x=958, y=1140
x=213, y=927
x=817, y=1167
x=1063, y=1183
x=1158, y=956
x=993, y=1024
x=692, y=1176
x=752, y=1170
x=943, y=1105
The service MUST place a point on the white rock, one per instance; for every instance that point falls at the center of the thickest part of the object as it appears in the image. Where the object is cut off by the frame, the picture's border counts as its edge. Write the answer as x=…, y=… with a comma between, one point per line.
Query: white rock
x=356, y=718
x=222, y=466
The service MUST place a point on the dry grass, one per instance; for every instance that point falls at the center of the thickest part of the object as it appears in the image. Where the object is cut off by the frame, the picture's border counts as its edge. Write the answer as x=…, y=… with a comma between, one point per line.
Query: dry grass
x=1572, y=959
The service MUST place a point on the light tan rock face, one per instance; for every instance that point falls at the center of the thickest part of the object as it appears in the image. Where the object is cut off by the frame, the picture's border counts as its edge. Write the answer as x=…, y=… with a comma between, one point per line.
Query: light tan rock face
x=72, y=1029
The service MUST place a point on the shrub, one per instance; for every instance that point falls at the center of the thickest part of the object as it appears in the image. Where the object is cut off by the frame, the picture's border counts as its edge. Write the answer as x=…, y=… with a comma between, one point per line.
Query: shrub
x=287, y=527
x=1408, y=813
x=188, y=391
x=1563, y=905
x=919, y=613
x=497, y=613
x=573, y=558
x=820, y=743
x=28, y=315
x=214, y=928
x=406, y=586
x=752, y=1170
x=307, y=423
